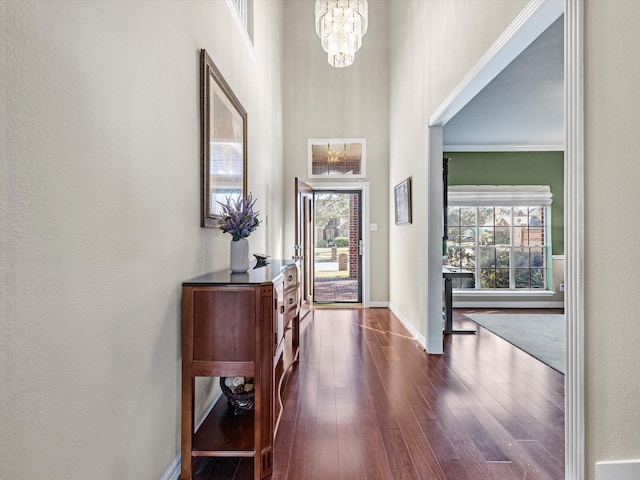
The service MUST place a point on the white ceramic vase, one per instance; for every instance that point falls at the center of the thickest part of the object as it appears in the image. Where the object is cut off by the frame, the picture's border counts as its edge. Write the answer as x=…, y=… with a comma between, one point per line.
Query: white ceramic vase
x=239, y=260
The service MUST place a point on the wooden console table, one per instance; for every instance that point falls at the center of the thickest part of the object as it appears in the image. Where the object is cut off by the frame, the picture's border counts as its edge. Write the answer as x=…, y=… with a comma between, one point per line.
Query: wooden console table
x=233, y=324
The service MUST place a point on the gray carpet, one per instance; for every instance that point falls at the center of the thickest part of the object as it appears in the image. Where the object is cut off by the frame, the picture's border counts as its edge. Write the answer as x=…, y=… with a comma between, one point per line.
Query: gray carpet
x=540, y=335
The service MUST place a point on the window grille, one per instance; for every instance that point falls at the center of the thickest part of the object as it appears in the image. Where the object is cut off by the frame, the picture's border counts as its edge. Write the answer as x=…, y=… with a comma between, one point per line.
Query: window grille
x=502, y=235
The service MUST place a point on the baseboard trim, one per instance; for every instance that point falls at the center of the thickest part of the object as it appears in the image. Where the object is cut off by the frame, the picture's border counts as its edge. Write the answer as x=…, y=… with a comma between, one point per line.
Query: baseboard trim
x=420, y=339
x=500, y=304
x=378, y=305
x=618, y=470
x=173, y=472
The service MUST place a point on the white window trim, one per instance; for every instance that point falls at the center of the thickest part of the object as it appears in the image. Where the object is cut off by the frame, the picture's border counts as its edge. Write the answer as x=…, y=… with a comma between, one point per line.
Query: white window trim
x=505, y=196
x=498, y=195
x=243, y=11
x=242, y=28
x=502, y=292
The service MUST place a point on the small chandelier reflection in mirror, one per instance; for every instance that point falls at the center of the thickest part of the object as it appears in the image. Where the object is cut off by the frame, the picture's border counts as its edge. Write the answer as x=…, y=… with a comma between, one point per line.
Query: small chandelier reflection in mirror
x=341, y=24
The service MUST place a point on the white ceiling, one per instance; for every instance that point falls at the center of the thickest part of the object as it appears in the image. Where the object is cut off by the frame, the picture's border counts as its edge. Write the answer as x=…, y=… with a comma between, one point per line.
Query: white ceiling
x=522, y=108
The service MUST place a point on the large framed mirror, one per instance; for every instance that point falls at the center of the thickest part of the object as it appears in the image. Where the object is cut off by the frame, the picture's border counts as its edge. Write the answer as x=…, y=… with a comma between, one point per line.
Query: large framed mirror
x=224, y=142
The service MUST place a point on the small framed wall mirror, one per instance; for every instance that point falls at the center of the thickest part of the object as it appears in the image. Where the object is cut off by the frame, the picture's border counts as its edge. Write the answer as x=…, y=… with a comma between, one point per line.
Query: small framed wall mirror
x=224, y=142
x=337, y=157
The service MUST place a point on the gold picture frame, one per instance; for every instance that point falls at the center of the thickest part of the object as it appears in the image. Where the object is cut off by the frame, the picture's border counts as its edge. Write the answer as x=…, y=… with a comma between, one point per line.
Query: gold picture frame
x=223, y=142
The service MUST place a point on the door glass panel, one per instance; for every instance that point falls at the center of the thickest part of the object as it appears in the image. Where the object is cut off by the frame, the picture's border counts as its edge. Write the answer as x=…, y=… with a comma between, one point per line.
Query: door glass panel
x=337, y=233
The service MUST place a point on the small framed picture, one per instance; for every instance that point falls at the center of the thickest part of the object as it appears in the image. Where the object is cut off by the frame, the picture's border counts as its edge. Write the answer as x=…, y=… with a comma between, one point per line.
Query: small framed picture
x=402, y=197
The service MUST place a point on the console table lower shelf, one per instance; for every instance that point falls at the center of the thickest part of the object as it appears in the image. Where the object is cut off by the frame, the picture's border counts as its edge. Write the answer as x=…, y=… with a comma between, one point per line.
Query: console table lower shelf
x=225, y=434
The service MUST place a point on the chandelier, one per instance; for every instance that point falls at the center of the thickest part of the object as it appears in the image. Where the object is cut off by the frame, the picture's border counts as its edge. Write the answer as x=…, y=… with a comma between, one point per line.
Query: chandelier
x=341, y=24
x=333, y=155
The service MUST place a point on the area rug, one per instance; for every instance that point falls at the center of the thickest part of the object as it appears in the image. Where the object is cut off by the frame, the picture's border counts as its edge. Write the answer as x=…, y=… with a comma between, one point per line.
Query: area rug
x=540, y=335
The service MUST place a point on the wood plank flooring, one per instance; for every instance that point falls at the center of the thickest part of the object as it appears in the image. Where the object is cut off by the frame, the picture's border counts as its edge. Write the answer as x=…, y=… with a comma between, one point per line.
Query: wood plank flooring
x=366, y=402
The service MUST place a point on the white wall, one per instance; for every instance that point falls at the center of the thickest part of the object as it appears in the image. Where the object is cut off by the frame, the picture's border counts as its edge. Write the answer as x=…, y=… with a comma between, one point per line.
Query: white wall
x=612, y=172
x=100, y=220
x=321, y=101
x=433, y=45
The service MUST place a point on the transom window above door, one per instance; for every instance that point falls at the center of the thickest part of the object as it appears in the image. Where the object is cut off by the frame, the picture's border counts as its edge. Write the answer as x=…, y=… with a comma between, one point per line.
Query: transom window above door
x=337, y=157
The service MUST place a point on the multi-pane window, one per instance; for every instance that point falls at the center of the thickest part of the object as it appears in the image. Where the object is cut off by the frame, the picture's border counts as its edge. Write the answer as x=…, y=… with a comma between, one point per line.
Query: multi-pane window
x=242, y=7
x=507, y=247
x=244, y=11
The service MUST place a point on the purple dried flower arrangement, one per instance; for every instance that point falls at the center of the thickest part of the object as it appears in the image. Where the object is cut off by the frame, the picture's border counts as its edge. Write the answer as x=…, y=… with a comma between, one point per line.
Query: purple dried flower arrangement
x=238, y=217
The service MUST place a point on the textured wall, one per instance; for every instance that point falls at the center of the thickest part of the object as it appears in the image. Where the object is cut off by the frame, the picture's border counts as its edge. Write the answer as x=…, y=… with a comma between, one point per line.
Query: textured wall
x=612, y=260
x=433, y=45
x=100, y=220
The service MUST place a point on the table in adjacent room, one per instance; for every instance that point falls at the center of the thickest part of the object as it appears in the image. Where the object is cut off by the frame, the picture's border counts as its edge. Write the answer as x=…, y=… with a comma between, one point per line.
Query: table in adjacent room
x=449, y=273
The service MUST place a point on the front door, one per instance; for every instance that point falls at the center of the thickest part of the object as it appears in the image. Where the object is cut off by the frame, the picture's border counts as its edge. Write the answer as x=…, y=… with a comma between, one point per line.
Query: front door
x=338, y=246
x=304, y=242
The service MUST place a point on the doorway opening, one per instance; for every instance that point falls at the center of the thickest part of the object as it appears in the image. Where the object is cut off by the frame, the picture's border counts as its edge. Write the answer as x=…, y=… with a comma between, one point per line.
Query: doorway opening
x=536, y=15
x=338, y=246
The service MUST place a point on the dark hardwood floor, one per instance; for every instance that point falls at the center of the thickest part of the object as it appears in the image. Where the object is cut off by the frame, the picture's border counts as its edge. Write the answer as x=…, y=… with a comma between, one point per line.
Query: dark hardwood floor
x=366, y=402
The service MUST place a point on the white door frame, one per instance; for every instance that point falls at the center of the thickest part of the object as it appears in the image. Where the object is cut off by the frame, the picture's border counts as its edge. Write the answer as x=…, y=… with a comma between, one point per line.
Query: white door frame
x=533, y=20
x=363, y=188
